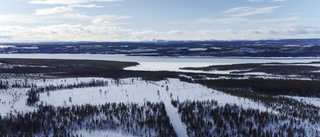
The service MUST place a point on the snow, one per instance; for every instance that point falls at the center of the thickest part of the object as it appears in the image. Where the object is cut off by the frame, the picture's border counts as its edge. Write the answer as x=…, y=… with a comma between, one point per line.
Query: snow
x=173, y=115
x=127, y=90
x=197, y=49
x=103, y=134
x=6, y=46
x=13, y=100
x=34, y=47
x=257, y=73
x=135, y=90
x=216, y=48
x=139, y=91
x=292, y=45
x=310, y=100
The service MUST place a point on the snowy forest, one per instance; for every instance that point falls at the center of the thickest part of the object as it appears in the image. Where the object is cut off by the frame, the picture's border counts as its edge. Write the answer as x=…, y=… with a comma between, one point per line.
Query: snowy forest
x=148, y=104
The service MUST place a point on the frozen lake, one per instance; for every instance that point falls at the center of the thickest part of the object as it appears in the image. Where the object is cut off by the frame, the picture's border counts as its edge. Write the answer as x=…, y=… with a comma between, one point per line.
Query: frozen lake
x=163, y=63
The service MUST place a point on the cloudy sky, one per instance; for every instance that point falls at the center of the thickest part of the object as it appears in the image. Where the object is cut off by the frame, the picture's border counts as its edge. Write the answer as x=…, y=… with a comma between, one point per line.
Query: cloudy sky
x=141, y=20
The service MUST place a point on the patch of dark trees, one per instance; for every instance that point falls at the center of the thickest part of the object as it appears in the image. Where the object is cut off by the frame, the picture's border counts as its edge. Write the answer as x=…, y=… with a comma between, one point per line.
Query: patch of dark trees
x=207, y=118
x=92, y=72
x=149, y=119
x=286, y=106
x=4, y=84
x=304, y=88
x=269, y=68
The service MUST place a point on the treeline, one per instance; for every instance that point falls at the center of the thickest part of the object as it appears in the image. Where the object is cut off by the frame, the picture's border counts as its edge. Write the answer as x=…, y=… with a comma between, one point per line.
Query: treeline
x=207, y=118
x=149, y=119
x=269, y=86
x=117, y=74
x=33, y=93
x=91, y=83
x=270, y=68
x=4, y=84
x=283, y=105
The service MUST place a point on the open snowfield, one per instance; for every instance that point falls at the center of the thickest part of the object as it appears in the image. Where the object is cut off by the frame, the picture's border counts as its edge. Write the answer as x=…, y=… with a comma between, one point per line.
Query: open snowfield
x=129, y=90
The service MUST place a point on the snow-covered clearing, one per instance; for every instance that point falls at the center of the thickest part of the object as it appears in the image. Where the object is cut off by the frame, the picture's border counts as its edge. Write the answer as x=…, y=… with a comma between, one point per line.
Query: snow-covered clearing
x=310, y=100
x=103, y=134
x=13, y=100
x=127, y=90
x=139, y=91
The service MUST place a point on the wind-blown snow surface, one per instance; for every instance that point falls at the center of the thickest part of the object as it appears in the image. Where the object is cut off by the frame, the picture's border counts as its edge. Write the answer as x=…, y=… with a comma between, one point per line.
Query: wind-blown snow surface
x=127, y=90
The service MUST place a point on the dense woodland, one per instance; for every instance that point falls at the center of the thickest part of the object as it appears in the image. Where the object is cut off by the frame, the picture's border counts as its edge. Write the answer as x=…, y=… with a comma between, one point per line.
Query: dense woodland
x=285, y=70
x=207, y=118
x=304, y=88
x=149, y=119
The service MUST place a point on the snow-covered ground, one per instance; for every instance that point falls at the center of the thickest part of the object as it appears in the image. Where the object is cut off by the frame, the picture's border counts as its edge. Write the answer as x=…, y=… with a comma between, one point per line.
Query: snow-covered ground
x=126, y=90
x=139, y=91
x=310, y=100
x=13, y=100
x=129, y=90
x=103, y=134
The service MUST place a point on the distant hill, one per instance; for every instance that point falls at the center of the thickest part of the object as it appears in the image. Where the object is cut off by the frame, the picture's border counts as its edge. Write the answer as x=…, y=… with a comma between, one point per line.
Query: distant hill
x=241, y=48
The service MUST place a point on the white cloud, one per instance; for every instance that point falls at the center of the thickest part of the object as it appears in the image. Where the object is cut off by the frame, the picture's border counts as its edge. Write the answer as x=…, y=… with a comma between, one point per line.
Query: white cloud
x=249, y=11
x=244, y=20
x=65, y=17
x=221, y=20
x=85, y=6
x=255, y=0
x=113, y=17
x=68, y=2
x=281, y=32
x=17, y=18
x=280, y=0
x=238, y=9
x=51, y=11
x=62, y=32
x=56, y=1
x=269, y=0
x=288, y=19
x=100, y=32
x=106, y=0
x=108, y=19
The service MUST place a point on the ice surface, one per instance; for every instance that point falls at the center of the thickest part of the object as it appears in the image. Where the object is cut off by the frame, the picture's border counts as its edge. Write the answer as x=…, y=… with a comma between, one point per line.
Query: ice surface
x=163, y=63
